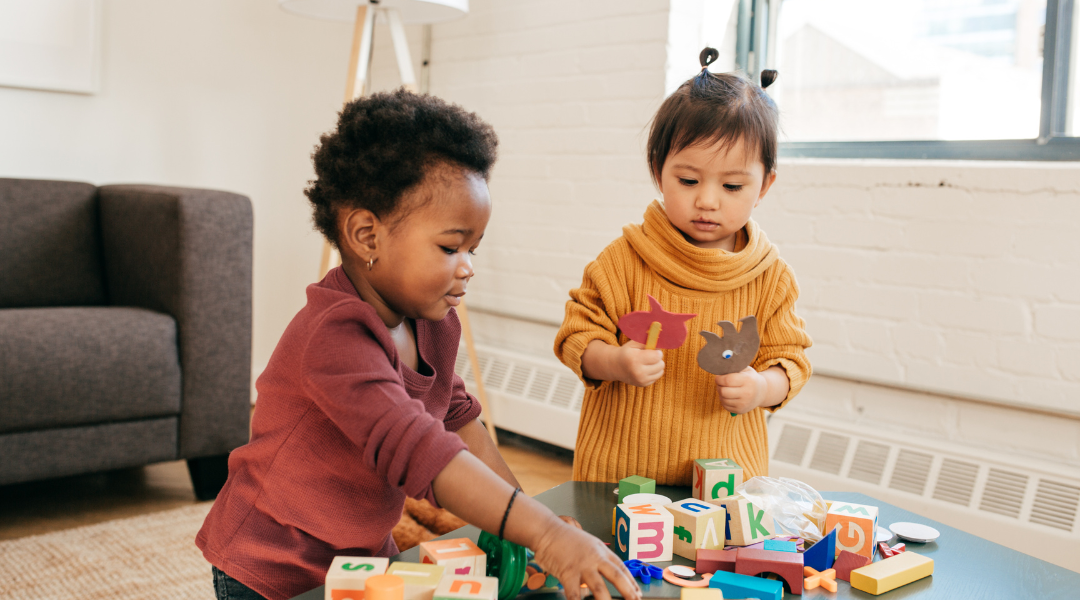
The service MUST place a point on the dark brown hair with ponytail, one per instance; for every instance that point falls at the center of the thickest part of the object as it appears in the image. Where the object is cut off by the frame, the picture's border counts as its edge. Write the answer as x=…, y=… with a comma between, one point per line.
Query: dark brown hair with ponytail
x=709, y=109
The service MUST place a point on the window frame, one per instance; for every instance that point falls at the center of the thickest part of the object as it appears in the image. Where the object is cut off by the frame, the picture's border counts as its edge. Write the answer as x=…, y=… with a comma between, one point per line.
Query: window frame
x=756, y=39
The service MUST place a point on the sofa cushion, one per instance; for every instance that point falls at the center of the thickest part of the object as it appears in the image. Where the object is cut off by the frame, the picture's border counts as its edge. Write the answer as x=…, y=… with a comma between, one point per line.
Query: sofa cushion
x=50, y=244
x=62, y=367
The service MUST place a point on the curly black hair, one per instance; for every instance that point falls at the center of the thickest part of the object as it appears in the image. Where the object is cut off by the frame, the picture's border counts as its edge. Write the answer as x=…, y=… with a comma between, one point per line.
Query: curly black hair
x=383, y=145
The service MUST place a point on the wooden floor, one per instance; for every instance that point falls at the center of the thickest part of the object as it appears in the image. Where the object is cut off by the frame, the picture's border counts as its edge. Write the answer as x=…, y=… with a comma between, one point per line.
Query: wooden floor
x=44, y=506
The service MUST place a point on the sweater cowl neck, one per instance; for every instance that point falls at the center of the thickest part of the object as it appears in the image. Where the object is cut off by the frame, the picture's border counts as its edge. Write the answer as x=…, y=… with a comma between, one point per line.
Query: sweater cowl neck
x=664, y=249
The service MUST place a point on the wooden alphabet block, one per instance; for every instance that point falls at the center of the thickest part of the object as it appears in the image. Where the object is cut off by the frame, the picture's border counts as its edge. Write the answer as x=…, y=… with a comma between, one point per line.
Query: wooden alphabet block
x=711, y=561
x=697, y=525
x=848, y=562
x=746, y=523
x=636, y=484
x=420, y=580
x=855, y=527
x=460, y=556
x=459, y=587
x=701, y=594
x=734, y=585
x=644, y=532
x=891, y=573
x=787, y=565
x=716, y=478
x=345, y=580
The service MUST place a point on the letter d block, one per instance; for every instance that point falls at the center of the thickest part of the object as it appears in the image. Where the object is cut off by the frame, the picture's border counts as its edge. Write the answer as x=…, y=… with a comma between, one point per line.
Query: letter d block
x=420, y=580
x=459, y=587
x=643, y=532
x=697, y=525
x=746, y=523
x=716, y=478
x=347, y=574
x=856, y=524
x=460, y=556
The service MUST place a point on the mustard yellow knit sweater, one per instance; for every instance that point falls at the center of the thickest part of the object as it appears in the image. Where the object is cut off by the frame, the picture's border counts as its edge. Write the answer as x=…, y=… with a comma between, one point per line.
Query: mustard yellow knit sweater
x=658, y=431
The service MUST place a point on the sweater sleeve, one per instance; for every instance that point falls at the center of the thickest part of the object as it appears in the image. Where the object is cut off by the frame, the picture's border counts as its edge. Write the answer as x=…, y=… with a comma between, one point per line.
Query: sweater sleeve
x=783, y=336
x=349, y=375
x=586, y=319
x=464, y=407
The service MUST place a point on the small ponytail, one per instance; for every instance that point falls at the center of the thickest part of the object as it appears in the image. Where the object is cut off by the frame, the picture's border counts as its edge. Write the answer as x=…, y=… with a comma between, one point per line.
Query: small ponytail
x=707, y=57
x=768, y=76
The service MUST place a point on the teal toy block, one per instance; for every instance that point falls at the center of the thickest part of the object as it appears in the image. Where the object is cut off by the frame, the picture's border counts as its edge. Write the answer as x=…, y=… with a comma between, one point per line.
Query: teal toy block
x=734, y=585
x=780, y=546
x=636, y=484
x=821, y=555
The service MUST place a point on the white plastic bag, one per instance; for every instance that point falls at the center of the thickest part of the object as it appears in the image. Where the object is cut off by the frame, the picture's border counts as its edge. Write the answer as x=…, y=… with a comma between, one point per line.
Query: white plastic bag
x=797, y=508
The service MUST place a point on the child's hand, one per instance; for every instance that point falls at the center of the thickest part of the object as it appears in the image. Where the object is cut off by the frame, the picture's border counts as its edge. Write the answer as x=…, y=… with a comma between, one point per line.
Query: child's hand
x=638, y=366
x=742, y=392
x=575, y=557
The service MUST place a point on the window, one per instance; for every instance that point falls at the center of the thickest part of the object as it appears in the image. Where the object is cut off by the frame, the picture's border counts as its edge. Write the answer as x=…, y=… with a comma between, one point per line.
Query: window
x=966, y=79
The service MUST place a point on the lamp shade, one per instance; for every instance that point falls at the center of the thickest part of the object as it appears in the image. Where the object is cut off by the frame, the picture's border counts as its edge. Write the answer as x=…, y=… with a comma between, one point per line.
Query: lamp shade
x=411, y=11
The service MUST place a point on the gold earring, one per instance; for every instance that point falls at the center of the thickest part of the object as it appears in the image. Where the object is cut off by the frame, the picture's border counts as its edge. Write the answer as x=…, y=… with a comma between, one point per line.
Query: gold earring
x=370, y=263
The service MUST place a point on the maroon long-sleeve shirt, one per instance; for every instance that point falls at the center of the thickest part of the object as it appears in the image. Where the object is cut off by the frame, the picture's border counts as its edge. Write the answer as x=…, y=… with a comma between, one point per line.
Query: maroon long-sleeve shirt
x=342, y=432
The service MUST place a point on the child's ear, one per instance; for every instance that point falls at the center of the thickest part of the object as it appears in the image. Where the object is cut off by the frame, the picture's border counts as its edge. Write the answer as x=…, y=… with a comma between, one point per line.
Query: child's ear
x=765, y=185
x=359, y=233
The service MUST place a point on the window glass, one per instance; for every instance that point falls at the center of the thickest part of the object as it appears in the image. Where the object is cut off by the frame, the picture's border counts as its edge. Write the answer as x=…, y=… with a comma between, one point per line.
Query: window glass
x=909, y=69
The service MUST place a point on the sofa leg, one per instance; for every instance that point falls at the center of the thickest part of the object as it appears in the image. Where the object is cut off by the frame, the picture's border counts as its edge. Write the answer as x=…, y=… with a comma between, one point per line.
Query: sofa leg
x=208, y=475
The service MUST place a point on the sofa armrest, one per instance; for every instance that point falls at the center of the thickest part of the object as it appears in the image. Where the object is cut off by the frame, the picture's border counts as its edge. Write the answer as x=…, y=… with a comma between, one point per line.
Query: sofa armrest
x=187, y=253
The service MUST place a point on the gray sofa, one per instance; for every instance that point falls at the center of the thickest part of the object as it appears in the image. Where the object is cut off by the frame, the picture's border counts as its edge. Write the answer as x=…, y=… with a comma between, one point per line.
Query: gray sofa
x=125, y=329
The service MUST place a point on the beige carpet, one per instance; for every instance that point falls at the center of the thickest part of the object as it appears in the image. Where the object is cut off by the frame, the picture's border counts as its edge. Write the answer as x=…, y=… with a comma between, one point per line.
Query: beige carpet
x=150, y=556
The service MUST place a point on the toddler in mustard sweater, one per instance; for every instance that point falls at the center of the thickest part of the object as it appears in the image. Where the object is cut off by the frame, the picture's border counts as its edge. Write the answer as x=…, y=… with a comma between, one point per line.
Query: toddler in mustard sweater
x=712, y=153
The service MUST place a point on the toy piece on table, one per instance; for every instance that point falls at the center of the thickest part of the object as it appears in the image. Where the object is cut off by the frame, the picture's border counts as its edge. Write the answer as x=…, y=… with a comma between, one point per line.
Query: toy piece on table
x=467, y=587
x=711, y=561
x=746, y=522
x=716, y=478
x=697, y=525
x=348, y=575
x=384, y=587
x=686, y=582
x=644, y=571
x=761, y=545
x=644, y=532
x=735, y=585
x=915, y=532
x=886, y=552
x=460, y=556
x=856, y=525
x=891, y=573
x=787, y=565
x=656, y=327
x=696, y=593
x=821, y=555
x=635, y=484
x=506, y=561
x=682, y=571
x=780, y=546
x=848, y=562
x=814, y=578
x=420, y=580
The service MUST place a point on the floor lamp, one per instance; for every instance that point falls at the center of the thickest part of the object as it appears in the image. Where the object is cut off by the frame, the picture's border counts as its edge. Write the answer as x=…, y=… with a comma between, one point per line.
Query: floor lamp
x=362, y=13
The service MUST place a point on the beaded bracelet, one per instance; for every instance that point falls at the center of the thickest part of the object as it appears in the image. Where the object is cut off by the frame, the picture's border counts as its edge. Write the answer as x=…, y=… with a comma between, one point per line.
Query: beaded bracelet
x=506, y=514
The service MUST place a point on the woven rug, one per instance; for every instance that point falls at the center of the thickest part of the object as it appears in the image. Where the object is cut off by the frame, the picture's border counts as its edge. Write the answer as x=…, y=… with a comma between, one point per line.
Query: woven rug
x=149, y=556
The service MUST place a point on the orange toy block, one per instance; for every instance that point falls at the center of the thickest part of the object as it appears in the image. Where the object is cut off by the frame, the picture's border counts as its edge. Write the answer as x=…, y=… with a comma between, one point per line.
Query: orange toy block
x=788, y=565
x=825, y=579
x=848, y=562
x=460, y=556
x=346, y=579
x=856, y=525
x=716, y=478
x=891, y=573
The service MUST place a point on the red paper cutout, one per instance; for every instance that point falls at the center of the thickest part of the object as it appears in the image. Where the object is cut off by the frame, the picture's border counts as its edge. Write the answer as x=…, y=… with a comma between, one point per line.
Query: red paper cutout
x=673, y=325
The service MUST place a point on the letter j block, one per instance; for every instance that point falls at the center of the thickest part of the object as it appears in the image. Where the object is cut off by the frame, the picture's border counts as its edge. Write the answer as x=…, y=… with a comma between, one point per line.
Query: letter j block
x=460, y=556
x=347, y=576
x=716, y=478
x=643, y=532
x=698, y=525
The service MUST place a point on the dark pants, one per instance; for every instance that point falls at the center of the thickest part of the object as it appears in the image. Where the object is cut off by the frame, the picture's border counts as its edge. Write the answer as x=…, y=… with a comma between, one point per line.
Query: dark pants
x=228, y=588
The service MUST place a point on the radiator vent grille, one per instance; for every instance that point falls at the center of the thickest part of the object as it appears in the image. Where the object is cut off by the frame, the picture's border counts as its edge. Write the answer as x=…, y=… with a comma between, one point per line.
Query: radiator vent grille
x=956, y=481
x=519, y=378
x=496, y=377
x=829, y=454
x=869, y=462
x=1055, y=505
x=564, y=391
x=792, y=444
x=912, y=469
x=1003, y=493
x=532, y=380
x=541, y=385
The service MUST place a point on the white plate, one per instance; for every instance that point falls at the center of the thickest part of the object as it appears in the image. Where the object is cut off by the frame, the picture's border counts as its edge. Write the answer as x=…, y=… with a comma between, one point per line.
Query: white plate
x=645, y=498
x=681, y=571
x=882, y=535
x=915, y=532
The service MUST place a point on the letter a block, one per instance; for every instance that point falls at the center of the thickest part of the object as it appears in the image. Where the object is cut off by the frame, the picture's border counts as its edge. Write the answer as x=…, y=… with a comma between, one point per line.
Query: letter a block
x=458, y=587
x=460, y=556
x=716, y=478
x=855, y=527
x=746, y=523
x=644, y=532
x=420, y=580
x=697, y=525
x=347, y=574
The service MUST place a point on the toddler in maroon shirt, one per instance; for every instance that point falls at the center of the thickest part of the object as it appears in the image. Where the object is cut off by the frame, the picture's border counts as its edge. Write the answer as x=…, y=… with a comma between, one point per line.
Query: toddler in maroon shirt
x=359, y=405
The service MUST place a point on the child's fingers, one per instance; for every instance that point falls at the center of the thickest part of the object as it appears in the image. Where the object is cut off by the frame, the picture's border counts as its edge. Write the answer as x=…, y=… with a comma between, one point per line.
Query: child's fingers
x=571, y=587
x=617, y=573
x=596, y=584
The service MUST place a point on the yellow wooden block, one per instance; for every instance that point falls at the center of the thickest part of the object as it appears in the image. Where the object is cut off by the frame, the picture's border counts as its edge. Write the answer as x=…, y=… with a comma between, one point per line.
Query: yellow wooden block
x=892, y=573
x=701, y=594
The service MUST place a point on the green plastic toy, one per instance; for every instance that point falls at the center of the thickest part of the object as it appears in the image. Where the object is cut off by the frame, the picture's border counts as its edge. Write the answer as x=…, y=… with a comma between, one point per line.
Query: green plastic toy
x=505, y=561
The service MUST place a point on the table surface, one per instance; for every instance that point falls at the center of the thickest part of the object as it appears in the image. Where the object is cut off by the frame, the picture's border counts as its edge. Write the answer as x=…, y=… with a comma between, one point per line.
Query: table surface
x=965, y=566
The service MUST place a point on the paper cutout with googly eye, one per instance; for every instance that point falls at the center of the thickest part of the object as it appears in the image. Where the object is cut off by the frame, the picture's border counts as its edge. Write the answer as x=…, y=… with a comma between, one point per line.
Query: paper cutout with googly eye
x=733, y=352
